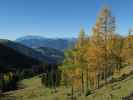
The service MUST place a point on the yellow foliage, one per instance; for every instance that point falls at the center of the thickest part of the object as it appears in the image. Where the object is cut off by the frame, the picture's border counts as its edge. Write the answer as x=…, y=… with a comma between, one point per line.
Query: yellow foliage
x=6, y=77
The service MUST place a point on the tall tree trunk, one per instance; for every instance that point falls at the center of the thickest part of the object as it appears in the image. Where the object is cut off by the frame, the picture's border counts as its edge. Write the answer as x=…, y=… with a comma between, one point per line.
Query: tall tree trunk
x=120, y=64
x=72, y=90
x=87, y=80
x=82, y=78
x=52, y=78
x=105, y=75
x=98, y=80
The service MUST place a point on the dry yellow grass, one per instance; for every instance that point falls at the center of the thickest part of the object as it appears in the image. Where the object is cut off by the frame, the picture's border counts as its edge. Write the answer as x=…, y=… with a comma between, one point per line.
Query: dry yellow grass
x=34, y=90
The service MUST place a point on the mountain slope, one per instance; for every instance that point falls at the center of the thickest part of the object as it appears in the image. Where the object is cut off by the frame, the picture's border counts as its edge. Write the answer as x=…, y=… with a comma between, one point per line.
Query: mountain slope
x=28, y=51
x=53, y=53
x=10, y=59
x=37, y=41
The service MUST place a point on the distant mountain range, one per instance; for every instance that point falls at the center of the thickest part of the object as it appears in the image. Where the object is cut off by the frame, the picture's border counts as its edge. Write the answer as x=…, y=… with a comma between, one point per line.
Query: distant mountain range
x=38, y=41
x=32, y=50
x=43, y=54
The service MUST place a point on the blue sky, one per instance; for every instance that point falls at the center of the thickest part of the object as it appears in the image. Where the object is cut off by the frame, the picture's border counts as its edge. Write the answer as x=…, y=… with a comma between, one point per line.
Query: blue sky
x=59, y=18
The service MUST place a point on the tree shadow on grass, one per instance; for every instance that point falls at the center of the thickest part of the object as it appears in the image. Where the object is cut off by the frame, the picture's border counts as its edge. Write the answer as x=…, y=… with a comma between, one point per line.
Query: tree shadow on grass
x=8, y=97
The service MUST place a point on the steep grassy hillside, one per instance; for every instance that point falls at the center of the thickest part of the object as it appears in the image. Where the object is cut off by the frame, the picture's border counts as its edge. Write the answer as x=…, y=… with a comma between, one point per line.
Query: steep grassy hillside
x=33, y=90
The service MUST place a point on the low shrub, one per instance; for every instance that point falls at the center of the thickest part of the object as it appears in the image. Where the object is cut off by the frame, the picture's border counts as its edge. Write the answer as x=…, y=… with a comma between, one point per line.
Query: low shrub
x=8, y=82
x=88, y=92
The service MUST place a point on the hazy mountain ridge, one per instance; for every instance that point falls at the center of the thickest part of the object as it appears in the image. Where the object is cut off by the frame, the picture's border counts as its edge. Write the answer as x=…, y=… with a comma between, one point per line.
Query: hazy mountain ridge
x=38, y=41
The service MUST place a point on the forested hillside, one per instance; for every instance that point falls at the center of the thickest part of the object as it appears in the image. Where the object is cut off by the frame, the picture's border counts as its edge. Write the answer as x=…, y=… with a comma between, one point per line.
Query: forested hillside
x=96, y=60
x=11, y=59
x=56, y=54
